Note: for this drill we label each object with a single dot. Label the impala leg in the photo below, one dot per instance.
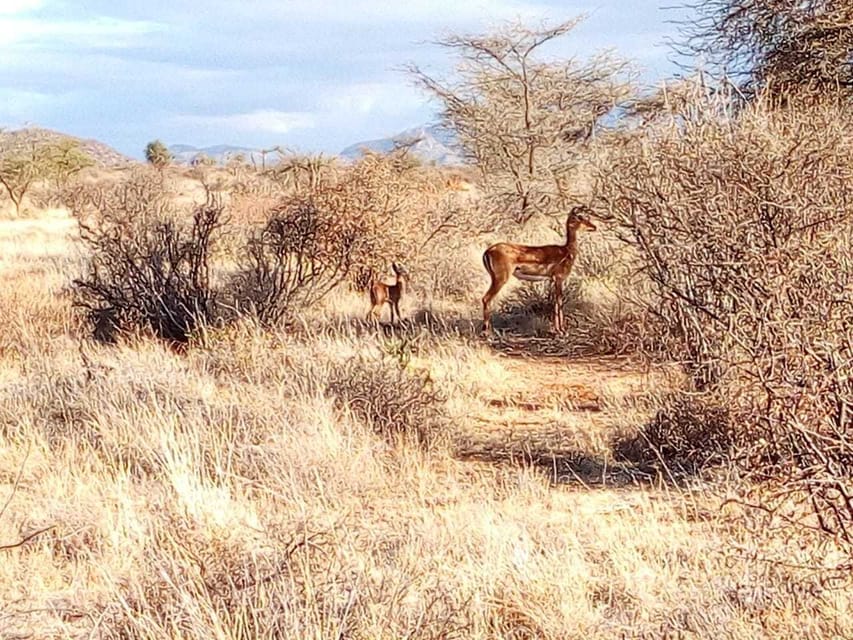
(375, 303)
(498, 281)
(375, 308)
(558, 305)
(396, 307)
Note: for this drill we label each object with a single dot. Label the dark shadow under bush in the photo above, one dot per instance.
(687, 435)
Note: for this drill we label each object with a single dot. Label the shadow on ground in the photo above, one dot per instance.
(514, 335)
(552, 372)
(565, 467)
(678, 445)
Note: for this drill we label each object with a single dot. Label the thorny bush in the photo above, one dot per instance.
(405, 212)
(390, 398)
(296, 259)
(146, 270)
(742, 219)
(157, 278)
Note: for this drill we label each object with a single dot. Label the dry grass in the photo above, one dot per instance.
(228, 494)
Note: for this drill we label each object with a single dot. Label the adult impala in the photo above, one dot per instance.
(549, 262)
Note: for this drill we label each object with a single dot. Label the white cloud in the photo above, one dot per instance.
(365, 98)
(96, 32)
(262, 120)
(412, 11)
(13, 7)
(316, 73)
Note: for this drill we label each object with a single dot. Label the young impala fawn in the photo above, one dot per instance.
(380, 293)
(550, 262)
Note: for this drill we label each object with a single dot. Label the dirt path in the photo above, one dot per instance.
(564, 412)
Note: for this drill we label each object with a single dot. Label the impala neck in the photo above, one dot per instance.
(571, 236)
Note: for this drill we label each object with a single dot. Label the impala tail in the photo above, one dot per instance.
(487, 261)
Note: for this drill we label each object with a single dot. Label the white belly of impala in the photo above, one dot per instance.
(530, 277)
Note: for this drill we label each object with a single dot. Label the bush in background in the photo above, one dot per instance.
(146, 270)
(23, 165)
(295, 260)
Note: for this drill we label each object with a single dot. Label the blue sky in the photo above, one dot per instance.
(312, 75)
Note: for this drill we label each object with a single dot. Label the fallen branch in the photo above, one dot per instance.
(25, 540)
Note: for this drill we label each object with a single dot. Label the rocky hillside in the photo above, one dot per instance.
(221, 153)
(429, 143)
(102, 154)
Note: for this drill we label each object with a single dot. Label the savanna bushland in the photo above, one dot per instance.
(201, 436)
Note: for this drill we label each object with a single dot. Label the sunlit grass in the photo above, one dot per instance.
(226, 493)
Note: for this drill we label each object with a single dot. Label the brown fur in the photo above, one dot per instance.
(549, 262)
(380, 293)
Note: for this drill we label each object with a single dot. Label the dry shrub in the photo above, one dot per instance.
(252, 195)
(295, 260)
(391, 399)
(141, 194)
(448, 275)
(403, 210)
(741, 217)
(149, 270)
(252, 208)
(301, 174)
(782, 46)
(387, 207)
(146, 270)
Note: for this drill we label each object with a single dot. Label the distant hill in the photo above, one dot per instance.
(434, 144)
(221, 153)
(102, 154)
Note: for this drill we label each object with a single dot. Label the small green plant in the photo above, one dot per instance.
(398, 349)
(158, 155)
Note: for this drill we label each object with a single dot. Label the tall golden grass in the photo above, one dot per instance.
(231, 493)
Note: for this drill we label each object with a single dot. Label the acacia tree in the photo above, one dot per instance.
(521, 119)
(23, 166)
(783, 44)
(301, 173)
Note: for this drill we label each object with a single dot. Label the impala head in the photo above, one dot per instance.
(579, 219)
(399, 271)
